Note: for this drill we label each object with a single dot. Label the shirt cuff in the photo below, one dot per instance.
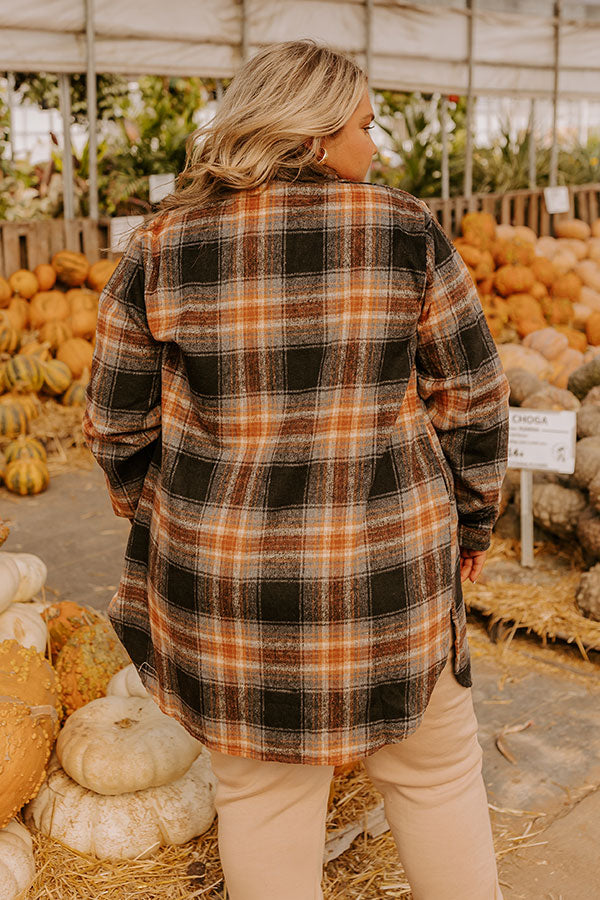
(473, 538)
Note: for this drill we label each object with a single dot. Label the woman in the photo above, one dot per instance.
(299, 406)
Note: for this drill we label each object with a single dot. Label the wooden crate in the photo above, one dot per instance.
(24, 245)
(516, 208)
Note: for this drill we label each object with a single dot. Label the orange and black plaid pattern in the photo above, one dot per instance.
(296, 399)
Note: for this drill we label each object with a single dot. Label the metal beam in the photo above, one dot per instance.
(532, 148)
(244, 40)
(445, 155)
(92, 111)
(369, 55)
(554, 151)
(468, 182)
(10, 102)
(67, 159)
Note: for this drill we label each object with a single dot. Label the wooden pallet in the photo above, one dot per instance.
(24, 245)
(516, 208)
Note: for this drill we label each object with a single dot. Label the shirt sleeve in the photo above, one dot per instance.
(122, 418)
(462, 383)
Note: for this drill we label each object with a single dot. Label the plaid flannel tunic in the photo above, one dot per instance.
(296, 399)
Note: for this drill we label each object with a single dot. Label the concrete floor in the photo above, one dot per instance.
(557, 769)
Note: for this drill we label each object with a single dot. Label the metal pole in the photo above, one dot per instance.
(445, 156)
(468, 185)
(526, 518)
(245, 46)
(369, 55)
(532, 148)
(92, 111)
(67, 159)
(10, 102)
(554, 152)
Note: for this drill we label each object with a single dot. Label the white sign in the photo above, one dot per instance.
(121, 229)
(540, 439)
(161, 186)
(557, 199)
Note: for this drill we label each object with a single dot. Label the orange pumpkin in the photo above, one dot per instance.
(55, 333)
(77, 353)
(63, 619)
(563, 365)
(538, 291)
(71, 267)
(83, 323)
(544, 270)
(572, 228)
(18, 313)
(478, 228)
(568, 285)
(592, 328)
(47, 306)
(46, 276)
(86, 663)
(35, 348)
(513, 252)
(100, 273)
(470, 255)
(24, 283)
(513, 280)
(576, 339)
(558, 310)
(80, 299)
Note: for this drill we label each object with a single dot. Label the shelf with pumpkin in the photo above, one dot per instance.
(47, 334)
(84, 745)
(528, 285)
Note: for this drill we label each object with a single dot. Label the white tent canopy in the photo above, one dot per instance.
(404, 46)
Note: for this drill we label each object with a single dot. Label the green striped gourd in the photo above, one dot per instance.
(26, 476)
(13, 420)
(25, 447)
(24, 373)
(28, 401)
(10, 338)
(75, 394)
(57, 376)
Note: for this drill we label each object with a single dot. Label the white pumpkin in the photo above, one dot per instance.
(115, 745)
(126, 683)
(17, 867)
(32, 572)
(129, 825)
(21, 622)
(10, 578)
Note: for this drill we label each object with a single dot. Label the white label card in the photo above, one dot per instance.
(557, 200)
(121, 229)
(161, 186)
(542, 439)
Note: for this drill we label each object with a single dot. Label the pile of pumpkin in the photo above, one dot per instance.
(86, 755)
(528, 285)
(47, 334)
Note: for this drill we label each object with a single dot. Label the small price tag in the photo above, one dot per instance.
(541, 439)
(121, 228)
(557, 200)
(161, 186)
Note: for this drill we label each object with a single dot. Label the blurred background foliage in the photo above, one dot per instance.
(143, 131)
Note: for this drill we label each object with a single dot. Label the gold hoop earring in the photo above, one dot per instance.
(323, 157)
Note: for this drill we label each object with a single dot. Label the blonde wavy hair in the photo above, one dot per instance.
(286, 94)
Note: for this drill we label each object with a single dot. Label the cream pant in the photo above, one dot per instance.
(272, 815)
